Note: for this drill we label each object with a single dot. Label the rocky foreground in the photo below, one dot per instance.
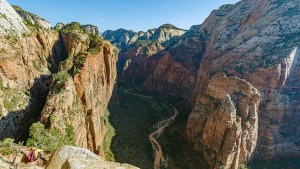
(67, 157)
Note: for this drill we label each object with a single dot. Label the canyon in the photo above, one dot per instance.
(233, 81)
(238, 72)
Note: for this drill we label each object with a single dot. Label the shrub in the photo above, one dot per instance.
(243, 166)
(78, 63)
(9, 105)
(95, 41)
(60, 79)
(226, 7)
(50, 139)
(7, 146)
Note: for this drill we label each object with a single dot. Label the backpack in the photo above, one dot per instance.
(30, 157)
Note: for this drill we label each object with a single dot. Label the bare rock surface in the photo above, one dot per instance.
(78, 158)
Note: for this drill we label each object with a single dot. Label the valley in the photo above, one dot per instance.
(223, 94)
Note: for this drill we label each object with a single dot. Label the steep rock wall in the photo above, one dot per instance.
(82, 98)
(25, 52)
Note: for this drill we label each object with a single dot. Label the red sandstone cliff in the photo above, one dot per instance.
(64, 77)
(251, 109)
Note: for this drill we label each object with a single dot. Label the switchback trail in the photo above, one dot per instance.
(161, 126)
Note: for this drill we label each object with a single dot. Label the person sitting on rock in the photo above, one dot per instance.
(33, 155)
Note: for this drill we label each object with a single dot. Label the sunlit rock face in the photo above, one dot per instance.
(254, 45)
(61, 78)
(82, 99)
(256, 41)
(25, 52)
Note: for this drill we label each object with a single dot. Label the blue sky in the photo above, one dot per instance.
(129, 14)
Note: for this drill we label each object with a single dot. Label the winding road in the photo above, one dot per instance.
(161, 126)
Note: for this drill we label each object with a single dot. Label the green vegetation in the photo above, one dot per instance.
(9, 105)
(20, 10)
(226, 7)
(170, 26)
(95, 42)
(78, 62)
(3, 16)
(142, 43)
(60, 79)
(286, 163)
(12, 39)
(13, 98)
(110, 133)
(50, 139)
(52, 119)
(71, 27)
(7, 146)
(243, 166)
(37, 65)
(32, 25)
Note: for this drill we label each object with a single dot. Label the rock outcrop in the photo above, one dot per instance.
(136, 62)
(61, 78)
(74, 158)
(10, 21)
(80, 100)
(262, 54)
(31, 18)
(92, 29)
(25, 52)
(224, 124)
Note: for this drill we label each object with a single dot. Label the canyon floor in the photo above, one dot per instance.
(135, 118)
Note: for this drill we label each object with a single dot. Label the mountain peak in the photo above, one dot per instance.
(169, 26)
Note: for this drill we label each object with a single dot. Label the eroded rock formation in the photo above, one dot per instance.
(255, 45)
(83, 98)
(75, 64)
(224, 124)
(24, 74)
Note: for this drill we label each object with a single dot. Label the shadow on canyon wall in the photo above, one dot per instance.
(23, 119)
(134, 118)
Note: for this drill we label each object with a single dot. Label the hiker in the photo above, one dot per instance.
(34, 155)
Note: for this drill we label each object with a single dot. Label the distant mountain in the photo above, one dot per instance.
(122, 38)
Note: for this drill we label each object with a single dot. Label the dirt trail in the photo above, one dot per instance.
(161, 126)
